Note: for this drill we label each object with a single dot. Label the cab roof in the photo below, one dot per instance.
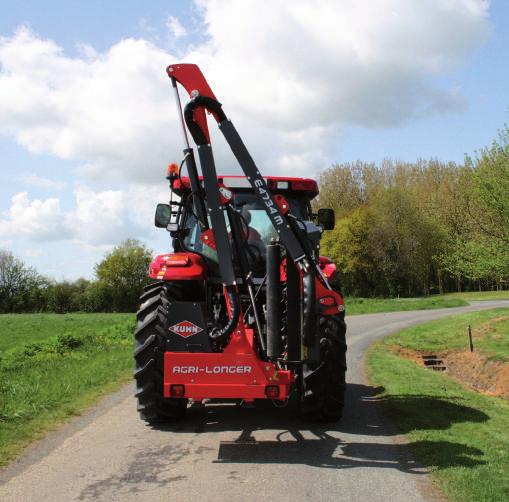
(305, 186)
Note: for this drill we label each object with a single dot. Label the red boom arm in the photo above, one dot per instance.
(191, 78)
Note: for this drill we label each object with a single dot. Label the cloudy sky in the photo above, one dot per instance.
(88, 121)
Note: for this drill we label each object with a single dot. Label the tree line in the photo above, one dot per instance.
(402, 229)
(406, 229)
(119, 279)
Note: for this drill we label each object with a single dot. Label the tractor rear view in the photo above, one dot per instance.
(242, 309)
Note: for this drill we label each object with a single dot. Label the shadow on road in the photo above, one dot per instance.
(364, 438)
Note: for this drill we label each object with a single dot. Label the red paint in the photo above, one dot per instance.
(235, 373)
(178, 267)
(178, 390)
(192, 79)
(225, 195)
(282, 203)
(332, 300)
(207, 237)
(328, 267)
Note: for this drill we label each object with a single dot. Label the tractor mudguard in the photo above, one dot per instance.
(178, 267)
(330, 301)
(328, 267)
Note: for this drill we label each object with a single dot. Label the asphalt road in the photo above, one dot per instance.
(224, 452)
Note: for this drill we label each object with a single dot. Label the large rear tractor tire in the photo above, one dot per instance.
(149, 354)
(323, 386)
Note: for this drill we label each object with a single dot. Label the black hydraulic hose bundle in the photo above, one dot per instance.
(309, 328)
(196, 189)
(210, 104)
(222, 334)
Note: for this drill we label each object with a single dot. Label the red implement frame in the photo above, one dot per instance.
(191, 78)
(237, 372)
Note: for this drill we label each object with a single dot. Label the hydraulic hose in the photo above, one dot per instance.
(223, 334)
(210, 104)
(310, 319)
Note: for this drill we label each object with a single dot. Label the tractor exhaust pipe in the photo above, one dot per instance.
(273, 300)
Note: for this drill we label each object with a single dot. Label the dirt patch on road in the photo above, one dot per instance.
(472, 369)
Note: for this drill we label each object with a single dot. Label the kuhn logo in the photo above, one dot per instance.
(185, 329)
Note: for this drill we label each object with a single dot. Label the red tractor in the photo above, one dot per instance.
(242, 309)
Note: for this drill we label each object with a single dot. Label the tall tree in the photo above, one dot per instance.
(124, 272)
(489, 207)
(17, 284)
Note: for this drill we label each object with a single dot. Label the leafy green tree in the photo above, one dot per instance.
(124, 273)
(19, 284)
(98, 297)
(348, 246)
(66, 296)
(489, 207)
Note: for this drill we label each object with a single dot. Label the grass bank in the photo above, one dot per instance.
(53, 366)
(460, 435)
(479, 295)
(490, 334)
(355, 306)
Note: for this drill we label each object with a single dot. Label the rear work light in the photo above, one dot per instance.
(305, 185)
(272, 391)
(177, 390)
(234, 182)
(177, 261)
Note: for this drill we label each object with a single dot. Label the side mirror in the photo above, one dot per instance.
(326, 218)
(162, 216)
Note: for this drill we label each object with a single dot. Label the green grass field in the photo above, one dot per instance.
(460, 435)
(53, 366)
(355, 306)
(479, 295)
(17, 329)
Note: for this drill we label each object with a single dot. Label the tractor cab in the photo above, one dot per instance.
(256, 227)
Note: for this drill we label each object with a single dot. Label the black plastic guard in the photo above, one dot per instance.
(186, 329)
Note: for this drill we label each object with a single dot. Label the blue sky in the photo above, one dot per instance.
(483, 81)
(90, 183)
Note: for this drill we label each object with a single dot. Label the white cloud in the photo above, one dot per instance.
(6, 244)
(101, 218)
(97, 218)
(34, 253)
(41, 182)
(40, 219)
(290, 75)
(175, 27)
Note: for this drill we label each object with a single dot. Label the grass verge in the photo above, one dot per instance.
(460, 435)
(355, 306)
(43, 382)
(490, 330)
(479, 295)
